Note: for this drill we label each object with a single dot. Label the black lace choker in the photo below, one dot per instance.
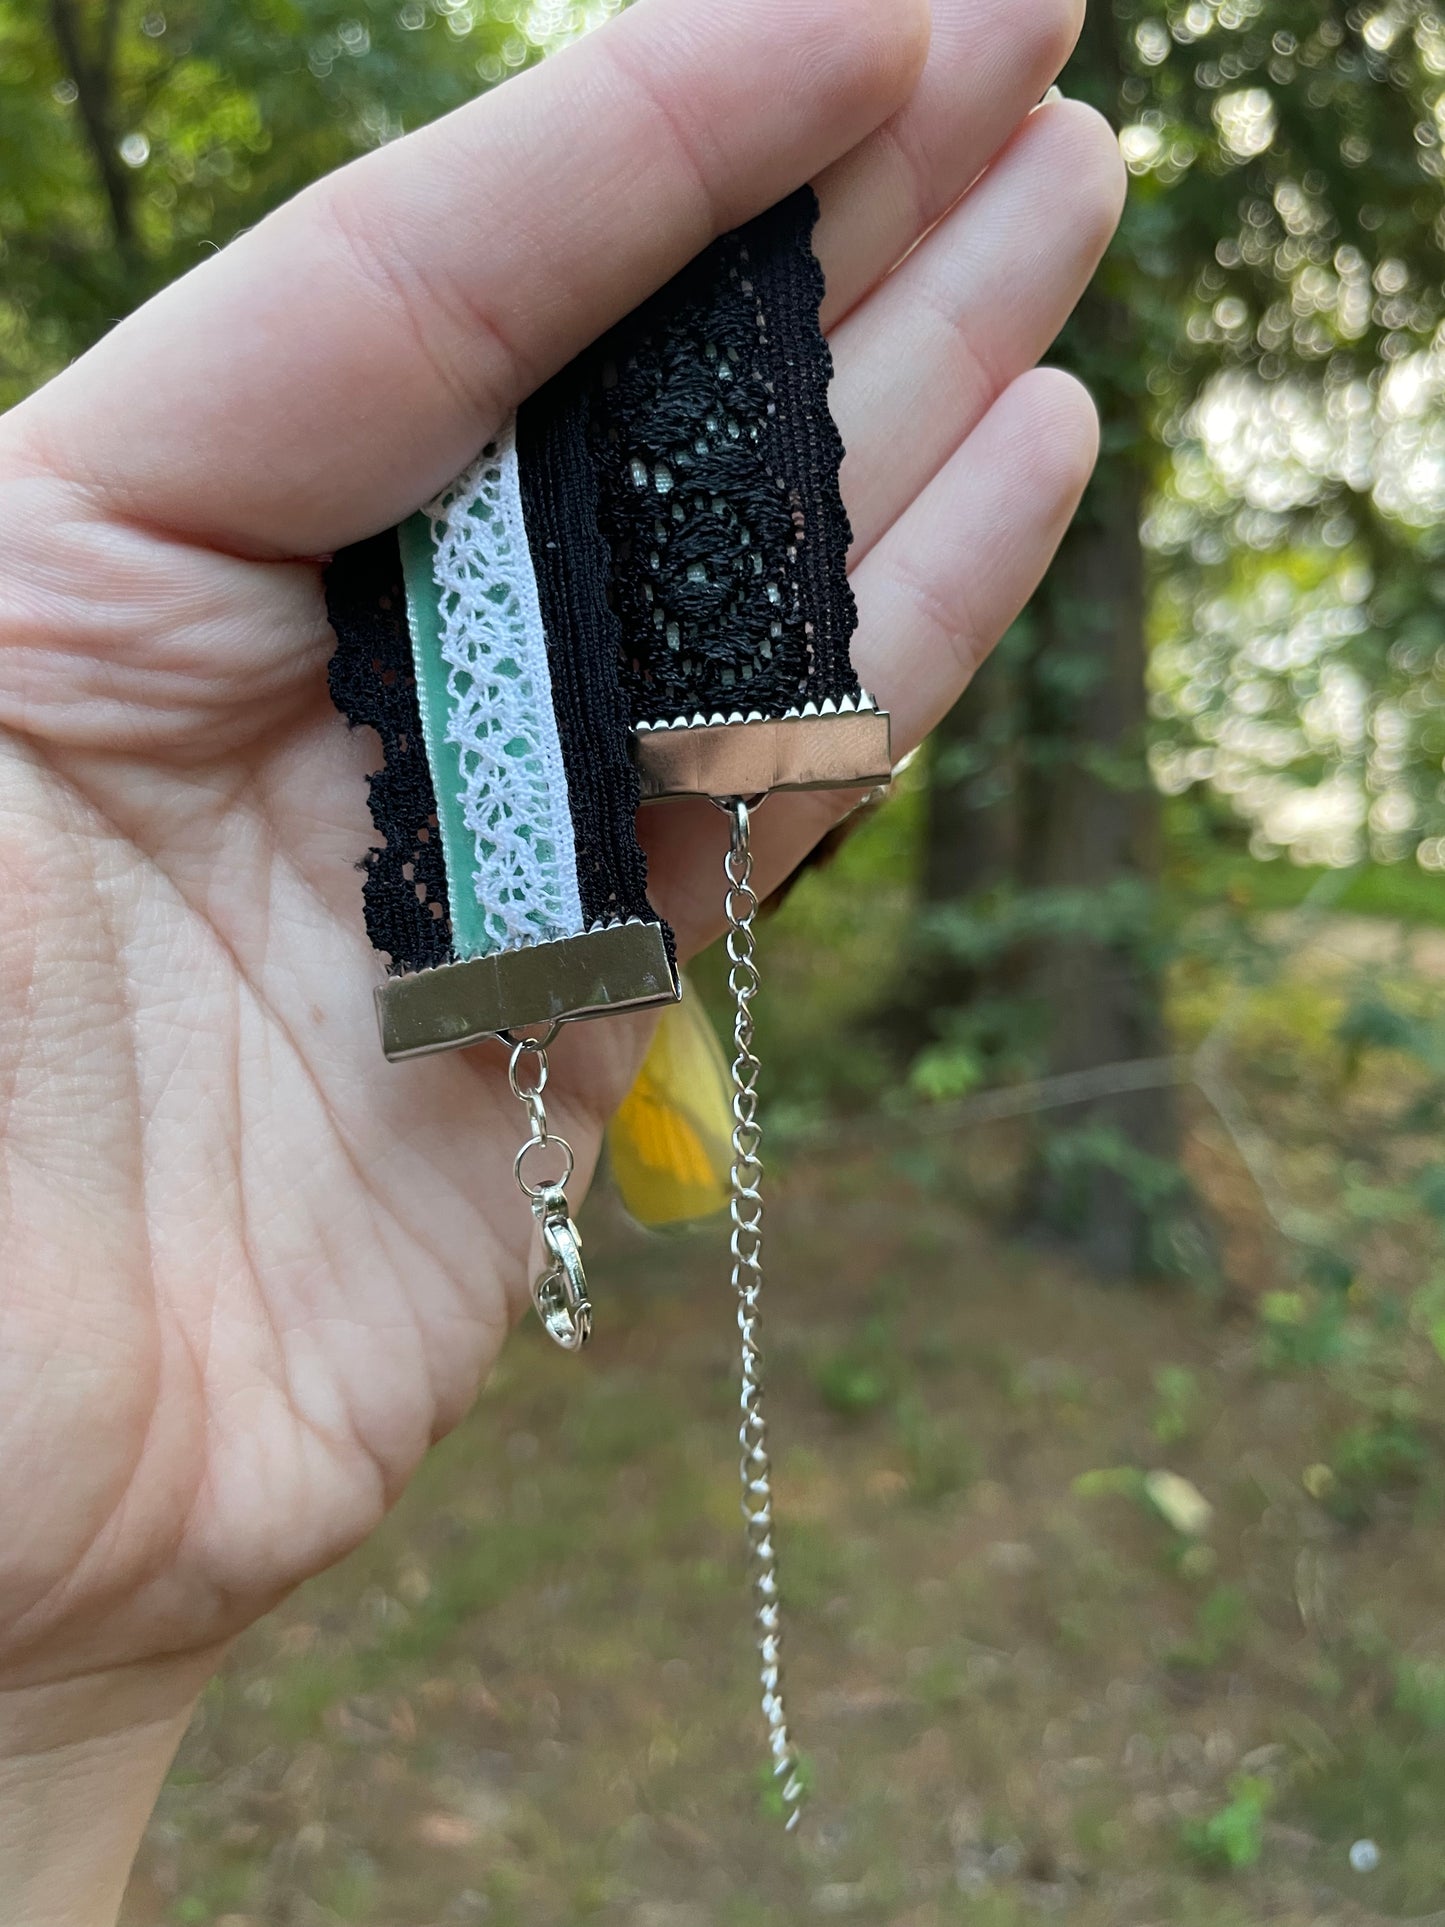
(638, 590)
(678, 487)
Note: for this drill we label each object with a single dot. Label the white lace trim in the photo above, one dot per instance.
(499, 710)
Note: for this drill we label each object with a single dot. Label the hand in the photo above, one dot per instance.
(250, 1270)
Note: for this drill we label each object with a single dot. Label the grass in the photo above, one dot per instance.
(1398, 891)
(531, 1698)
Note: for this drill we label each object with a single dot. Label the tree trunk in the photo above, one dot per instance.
(971, 837)
(970, 848)
(1105, 1176)
(93, 76)
(1066, 817)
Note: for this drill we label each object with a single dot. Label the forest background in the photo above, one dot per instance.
(1107, 1065)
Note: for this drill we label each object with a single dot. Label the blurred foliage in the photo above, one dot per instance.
(1288, 197)
(1232, 1839)
(1282, 267)
(1240, 646)
(136, 134)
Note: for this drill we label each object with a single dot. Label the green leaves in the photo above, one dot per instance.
(1231, 1840)
(184, 123)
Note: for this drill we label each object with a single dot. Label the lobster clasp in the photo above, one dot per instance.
(560, 1292)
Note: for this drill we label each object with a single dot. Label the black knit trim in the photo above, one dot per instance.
(718, 466)
(373, 682)
(571, 566)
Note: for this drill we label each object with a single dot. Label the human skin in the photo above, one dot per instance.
(251, 1272)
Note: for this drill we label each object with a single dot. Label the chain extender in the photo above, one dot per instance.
(746, 1212)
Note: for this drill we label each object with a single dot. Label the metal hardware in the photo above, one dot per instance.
(622, 967)
(719, 756)
(560, 1291)
(746, 1211)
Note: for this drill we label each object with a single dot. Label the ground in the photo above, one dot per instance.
(1022, 1690)
(1031, 1676)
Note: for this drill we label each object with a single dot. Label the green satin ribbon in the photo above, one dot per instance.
(470, 936)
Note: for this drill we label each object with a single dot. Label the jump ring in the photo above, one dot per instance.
(527, 1047)
(536, 1144)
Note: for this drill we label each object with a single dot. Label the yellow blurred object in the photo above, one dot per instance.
(669, 1141)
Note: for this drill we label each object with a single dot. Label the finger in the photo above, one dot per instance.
(934, 596)
(978, 302)
(326, 372)
(955, 570)
(989, 62)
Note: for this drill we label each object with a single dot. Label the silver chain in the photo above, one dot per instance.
(559, 1291)
(746, 1210)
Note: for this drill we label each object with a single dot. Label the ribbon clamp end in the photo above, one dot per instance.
(842, 746)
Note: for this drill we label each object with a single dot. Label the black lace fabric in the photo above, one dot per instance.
(373, 682)
(570, 563)
(717, 464)
(688, 538)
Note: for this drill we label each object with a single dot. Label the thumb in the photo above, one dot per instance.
(326, 372)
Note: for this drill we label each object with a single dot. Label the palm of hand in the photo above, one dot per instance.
(252, 1270)
(261, 1267)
